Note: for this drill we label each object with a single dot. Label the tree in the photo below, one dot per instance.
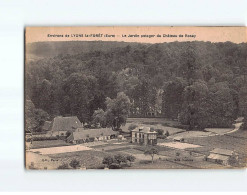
(219, 106)
(79, 90)
(245, 117)
(151, 151)
(117, 110)
(108, 160)
(159, 132)
(132, 126)
(75, 164)
(172, 97)
(130, 158)
(99, 118)
(193, 113)
(34, 117)
(75, 83)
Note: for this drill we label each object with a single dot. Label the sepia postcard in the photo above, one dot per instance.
(135, 98)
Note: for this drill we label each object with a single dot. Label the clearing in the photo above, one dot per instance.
(179, 145)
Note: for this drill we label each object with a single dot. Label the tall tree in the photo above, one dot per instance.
(117, 110)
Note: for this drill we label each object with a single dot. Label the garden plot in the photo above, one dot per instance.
(190, 134)
(219, 131)
(62, 149)
(139, 154)
(179, 145)
(98, 143)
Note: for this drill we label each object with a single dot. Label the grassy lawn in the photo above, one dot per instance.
(158, 164)
(155, 123)
(90, 159)
(48, 144)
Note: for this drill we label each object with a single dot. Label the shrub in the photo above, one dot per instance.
(130, 158)
(68, 133)
(74, 163)
(63, 166)
(44, 138)
(132, 126)
(159, 132)
(114, 166)
(119, 158)
(108, 160)
(151, 151)
(167, 133)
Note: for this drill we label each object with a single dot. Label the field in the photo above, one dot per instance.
(48, 143)
(236, 141)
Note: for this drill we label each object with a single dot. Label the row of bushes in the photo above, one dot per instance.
(118, 161)
(43, 138)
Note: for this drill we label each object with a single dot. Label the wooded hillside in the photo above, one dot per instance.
(202, 84)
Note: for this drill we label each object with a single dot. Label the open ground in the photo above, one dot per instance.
(172, 155)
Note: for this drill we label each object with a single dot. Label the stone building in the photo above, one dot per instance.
(144, 135)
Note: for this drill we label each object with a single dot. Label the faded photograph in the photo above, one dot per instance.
(135, 98)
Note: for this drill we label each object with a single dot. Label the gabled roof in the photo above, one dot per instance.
(91, 133)
(65, 123)
(143, 130)
(46, 125)
(222, 151)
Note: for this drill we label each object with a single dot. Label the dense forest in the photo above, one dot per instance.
(201, 84)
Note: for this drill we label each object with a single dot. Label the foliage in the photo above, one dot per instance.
(119, 158)
(151, 151)
(99, 118)
(199, 83)
(132, 126)
(159, 132)
(167, 133)
(44, 138)
(108, 160)
(130, 158)
(75, 164)
(68, 133)
(63, 166)
(245, 117)
(117, 110)
(34, 117)
(114, 162)
(173, 97)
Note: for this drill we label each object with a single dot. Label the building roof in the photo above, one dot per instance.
(218, 157)
(46, 125)
(222, 151)
(143, 130)
(91, 133)
(65, 123)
